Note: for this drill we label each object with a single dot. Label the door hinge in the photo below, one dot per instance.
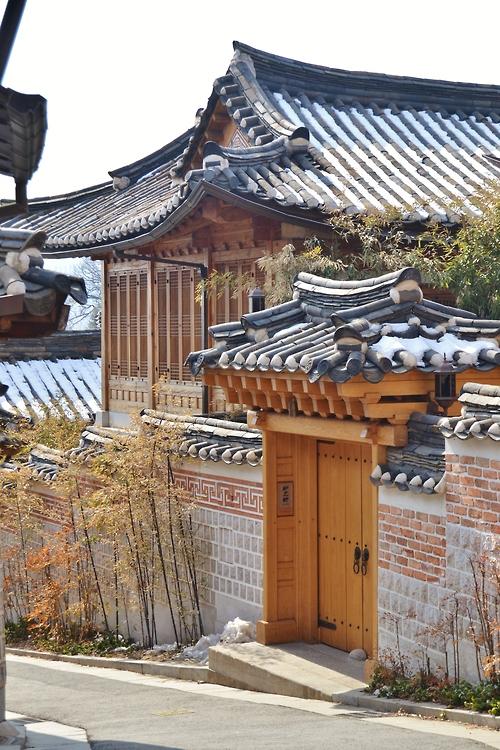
(327, 624)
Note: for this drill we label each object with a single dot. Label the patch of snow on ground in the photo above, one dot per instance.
(235, 631)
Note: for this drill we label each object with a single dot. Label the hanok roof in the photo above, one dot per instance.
(28, 291)
(313, 140)
(480, 416)
(205, 438)
(339, 329)
(64, 368)
(212, 439)
(419, 465)
(9, 444)
(23, 122)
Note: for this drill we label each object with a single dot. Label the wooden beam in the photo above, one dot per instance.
(330, 429)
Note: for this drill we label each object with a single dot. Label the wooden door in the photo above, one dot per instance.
(345, 525)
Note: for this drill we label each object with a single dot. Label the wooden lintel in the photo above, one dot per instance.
(394, 409)
(330, 429)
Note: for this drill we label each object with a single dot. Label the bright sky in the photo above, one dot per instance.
(124, 77)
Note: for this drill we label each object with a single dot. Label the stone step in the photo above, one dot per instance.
(299, 670)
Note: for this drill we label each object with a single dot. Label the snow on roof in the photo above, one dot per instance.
(63, 370)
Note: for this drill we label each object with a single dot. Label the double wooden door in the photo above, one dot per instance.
(346, 564)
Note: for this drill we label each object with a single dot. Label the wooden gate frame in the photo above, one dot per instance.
(290, 539)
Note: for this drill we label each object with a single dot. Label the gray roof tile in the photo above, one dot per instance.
(375, 142)
(480, 417)
(338, 329)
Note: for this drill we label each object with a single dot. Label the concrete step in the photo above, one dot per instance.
(299, 670)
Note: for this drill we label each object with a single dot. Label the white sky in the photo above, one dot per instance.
(124, 77)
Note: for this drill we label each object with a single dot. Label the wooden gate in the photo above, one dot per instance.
(346, 564)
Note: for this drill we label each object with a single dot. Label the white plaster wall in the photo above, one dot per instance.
(483, 448)
(419, 502)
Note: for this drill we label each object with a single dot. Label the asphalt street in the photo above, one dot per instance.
(124, 711)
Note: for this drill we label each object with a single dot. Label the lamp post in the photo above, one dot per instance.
(8, 30)
(3, 669)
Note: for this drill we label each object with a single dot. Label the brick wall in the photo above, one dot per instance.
(230, 530)
(231, 548)
(473, 490)
(411, 542)
(426, 544)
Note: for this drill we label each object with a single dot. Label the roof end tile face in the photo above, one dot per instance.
(24, 279)
(322, 140)
(417, 467)
(339, 329)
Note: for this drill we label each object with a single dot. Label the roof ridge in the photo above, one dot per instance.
(157, 157)
(306, 68)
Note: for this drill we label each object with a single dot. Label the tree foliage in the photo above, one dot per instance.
(281, 269)
(88, 316)
(473, 264)
(463, 257)
(114, 540)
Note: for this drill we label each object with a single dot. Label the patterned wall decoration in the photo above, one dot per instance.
(243, 498)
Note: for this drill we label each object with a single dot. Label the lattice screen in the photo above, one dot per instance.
(179, 322)
(128, 313)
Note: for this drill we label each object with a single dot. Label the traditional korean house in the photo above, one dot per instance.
(280, 148)
(345, 381)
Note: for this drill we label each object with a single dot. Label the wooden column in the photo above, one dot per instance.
(280, 564)
(105, 337)
(152, 336)
(306, 491)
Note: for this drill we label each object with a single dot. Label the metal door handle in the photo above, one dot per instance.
(357, 558)
(364, 560)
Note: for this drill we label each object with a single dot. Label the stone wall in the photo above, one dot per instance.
(426, 544)
(229, 518)
(228, 526)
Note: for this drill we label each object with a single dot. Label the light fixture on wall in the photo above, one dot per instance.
(256, 300)
(445, 386)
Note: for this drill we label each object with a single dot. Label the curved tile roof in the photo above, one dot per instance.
(213, 439)
(480, 416)
(23, 123)
(340, 329)
(205, 438)
(419, 466)
(323, 140)
(64, 368)
(29, 289)
(376, 140)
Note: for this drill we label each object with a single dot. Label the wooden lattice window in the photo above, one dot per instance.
(128, 317)
(179, 321)
(231, 304)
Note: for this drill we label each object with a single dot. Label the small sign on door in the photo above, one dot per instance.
(285, 498)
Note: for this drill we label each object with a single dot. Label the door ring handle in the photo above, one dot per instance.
(364, 560)
(357, 558)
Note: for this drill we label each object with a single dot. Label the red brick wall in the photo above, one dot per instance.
(412, 543)
(473, 492)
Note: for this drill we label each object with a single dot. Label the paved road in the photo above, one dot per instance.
(123, 711)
